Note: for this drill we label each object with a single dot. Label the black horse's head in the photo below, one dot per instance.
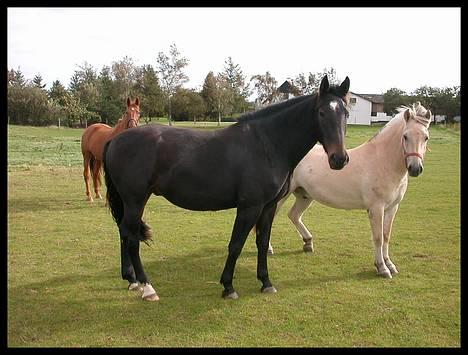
(332, 113)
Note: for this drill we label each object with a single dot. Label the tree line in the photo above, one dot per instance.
(93, 96)
(441, 101)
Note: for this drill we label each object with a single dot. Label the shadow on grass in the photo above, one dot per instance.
(40, 204)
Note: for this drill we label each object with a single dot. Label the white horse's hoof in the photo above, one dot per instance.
(270, 251)
(386, 273)
(393, 269)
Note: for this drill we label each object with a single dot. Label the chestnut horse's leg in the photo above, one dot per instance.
(86, 173)
(245, 221)
(389, 216)
(376, 216)
(97, 177)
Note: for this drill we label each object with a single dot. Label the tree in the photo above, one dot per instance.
(393, 98)
(187, 104)
(16, 78)
(147, 88)
(37, 81)
(312, 83)
(235, 80)
(83, 86)
(57, 99)
(441, 101)
(58, 92)
(109, 103)
(217, 95)
(172, 77)
(209, 95)
(306, 86)
(124, 72)
(265, 86)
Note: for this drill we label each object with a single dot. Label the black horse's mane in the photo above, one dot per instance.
(274, 108)
(271, 109)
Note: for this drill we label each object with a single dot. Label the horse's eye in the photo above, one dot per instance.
(426, 138)
(405, 137)
(321, 113)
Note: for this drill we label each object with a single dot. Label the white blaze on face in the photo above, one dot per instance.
(333, 105)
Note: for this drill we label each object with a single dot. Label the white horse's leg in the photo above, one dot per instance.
(376, 215)
(278, 207)
(295, 215)
(389, 216)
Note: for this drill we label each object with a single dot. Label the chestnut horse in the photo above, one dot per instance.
(94, 138)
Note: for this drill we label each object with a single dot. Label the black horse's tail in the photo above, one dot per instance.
(114, 200)
(116, 204)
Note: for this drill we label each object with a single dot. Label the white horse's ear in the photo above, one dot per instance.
(407, 115)
(428, 114)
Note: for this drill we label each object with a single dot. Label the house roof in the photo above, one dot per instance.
(288, 88)
(374, 98)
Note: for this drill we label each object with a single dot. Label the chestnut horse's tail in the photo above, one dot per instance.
(116, 204)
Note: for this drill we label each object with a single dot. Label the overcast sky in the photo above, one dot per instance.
(378, 48)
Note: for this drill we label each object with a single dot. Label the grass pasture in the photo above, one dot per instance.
(64, 286)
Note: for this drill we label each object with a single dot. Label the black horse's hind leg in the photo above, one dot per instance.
(263, 239)
(128, 273)
(131, 231)
(245, 220)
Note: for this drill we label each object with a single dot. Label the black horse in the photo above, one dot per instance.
(246, 165)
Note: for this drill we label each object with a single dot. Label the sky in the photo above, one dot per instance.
(377, 48)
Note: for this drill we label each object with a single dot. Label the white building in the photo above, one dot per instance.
(366, 108)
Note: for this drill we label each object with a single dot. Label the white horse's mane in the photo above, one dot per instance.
(418, 113)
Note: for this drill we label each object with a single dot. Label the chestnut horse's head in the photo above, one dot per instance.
(131, 117)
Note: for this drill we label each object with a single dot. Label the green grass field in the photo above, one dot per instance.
(65, 290)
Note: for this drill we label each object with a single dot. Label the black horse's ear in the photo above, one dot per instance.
(324, 86)
(344, 87)
(128, 102)
(137, 101)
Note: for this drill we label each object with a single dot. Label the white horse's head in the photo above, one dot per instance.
(415, 136)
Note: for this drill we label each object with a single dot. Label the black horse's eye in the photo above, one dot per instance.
(321, 113)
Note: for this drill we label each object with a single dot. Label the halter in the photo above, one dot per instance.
(414, 154)
(411, 154)
(131, 119)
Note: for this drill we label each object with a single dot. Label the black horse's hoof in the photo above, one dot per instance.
(230, 295)
(269, 289)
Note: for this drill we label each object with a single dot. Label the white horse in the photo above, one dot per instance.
(375, 179)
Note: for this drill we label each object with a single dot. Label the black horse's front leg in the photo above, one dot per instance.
(245, 220)
(263, 229)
